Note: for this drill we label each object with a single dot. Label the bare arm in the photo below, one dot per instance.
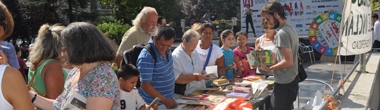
(257, 44)
(151, 91)
(118, 60)
(54, 79)
(184, 79)
(220, 64)
(15, 91)
(286, 62)
(98, 103)
(42, 102)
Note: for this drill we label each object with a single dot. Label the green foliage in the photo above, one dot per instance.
(106, 18)
(224, 9)
(114, 30)
(126, 10)
(375, 5)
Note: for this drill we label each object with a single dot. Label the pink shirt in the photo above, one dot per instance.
(238, 53)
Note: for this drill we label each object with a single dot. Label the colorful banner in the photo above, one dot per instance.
(324, 33)
(299, 13)
(356, 28)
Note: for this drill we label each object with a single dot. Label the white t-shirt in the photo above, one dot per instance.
(131, 100)
(376, 30)
(215, 54)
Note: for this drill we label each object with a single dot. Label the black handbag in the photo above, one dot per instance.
(301, 70)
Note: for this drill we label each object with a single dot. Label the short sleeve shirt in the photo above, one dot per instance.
(184, 64)
(99, 82)
(131, 100)
(215, 54)
(241, 56)
(228, 60)
(286, 38)
(160, 75)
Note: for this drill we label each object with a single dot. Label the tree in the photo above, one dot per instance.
(20, 30)
(36, 15)
(126, 10)
(225, 9)
(375, 4)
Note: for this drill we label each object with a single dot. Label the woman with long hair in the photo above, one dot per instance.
(46, 75)
(92, 78)
(266, 42)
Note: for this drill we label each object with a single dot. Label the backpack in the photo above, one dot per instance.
(130, 56)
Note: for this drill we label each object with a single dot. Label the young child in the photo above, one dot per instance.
(225, 42)
(240, 55)
(130, 98)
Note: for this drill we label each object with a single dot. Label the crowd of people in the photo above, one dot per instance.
(70, 62)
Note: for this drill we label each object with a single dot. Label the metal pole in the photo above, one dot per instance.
(363, 63)
(324, 103)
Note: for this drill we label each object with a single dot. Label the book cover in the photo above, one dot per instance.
(76, 102)
(255, 58)
(238, 95)
(216, 98)
(243, 65)
(258, 89)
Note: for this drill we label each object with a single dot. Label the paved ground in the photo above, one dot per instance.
(321, 71)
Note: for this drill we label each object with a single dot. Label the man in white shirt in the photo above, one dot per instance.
(376, 31)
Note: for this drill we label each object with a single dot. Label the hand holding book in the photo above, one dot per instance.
(258, 57)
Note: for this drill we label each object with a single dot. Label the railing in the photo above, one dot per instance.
(333, 93)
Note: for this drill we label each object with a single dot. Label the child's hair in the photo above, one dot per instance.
(128, 71)
(241, 33)
(224, 35)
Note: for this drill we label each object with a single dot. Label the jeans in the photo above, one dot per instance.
(284, 95)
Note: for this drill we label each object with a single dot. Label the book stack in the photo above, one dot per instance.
(238, 95)
(252, 78)
(220, 81)
(246, 90)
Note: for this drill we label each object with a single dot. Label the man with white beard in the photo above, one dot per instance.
(144, 27)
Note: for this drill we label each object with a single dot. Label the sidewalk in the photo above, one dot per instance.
(323, 71)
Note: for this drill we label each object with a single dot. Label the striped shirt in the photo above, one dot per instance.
(160, 76)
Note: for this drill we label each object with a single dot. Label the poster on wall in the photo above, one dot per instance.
(324, 33)
(299, 13)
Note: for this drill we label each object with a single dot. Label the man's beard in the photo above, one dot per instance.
(152, 28)
(276, 23)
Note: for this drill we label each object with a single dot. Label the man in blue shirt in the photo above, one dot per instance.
(10, 51)
(157, 78)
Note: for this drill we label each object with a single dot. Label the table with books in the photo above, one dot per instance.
(249, 92)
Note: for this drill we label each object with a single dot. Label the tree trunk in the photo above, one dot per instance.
(70, 2)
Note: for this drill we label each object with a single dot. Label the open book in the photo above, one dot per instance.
(212, 72)
(76, 102)
(255, 58)
(258, 88)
